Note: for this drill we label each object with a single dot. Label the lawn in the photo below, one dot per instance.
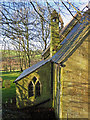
(9, 93)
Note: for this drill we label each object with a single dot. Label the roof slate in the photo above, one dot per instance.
(32, 69)
(72, 40)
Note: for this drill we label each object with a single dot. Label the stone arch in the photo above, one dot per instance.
(34, 79)
(31, 76)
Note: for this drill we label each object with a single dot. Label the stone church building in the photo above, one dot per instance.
(60, 80)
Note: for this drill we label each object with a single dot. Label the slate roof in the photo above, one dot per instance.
(48, 48)
(32, 69)
(73, 40)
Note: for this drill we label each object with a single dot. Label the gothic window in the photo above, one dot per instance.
(30, 89)
(34, 79)
(37, 89)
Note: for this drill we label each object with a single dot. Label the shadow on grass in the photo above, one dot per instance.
(8, 93)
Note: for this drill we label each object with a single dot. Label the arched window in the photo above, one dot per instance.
(34, 79)
(30, 89)
(37, 89)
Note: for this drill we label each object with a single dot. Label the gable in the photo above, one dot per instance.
(27, 88)
(73, 40)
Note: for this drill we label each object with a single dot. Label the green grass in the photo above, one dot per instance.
(12, 52)
(9, 93)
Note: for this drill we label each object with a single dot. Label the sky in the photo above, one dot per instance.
(66, 16)
(78, 3)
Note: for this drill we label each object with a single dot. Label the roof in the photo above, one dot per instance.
(72, 40)
(31, 69)
(47, 49)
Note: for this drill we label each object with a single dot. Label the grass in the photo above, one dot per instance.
(12, 53)
(9, 93)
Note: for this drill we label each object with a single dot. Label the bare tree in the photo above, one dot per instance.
(27, 25)
(20, 28)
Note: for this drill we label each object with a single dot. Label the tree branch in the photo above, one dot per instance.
(69, 10)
